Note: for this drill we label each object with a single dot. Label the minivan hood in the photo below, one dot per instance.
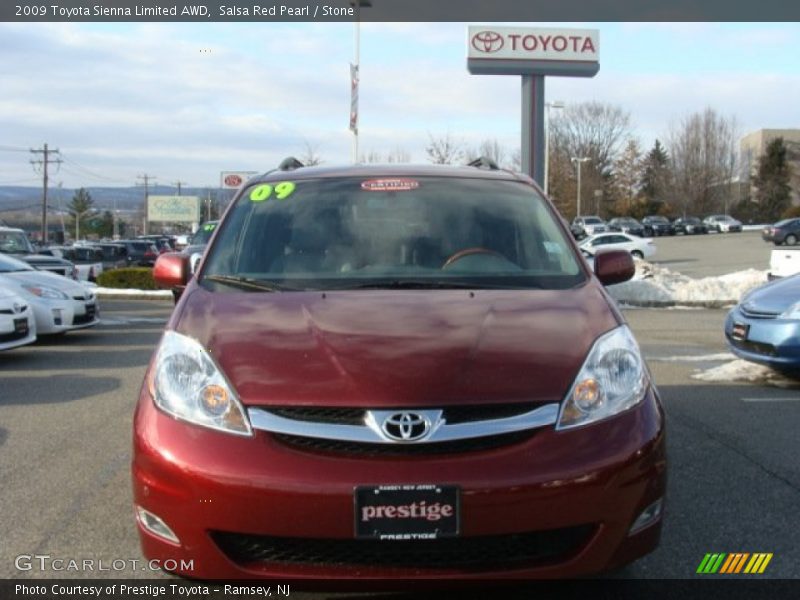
(382, 348)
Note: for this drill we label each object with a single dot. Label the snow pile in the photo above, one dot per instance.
(654, 285)
(102, 292)
(741, 370)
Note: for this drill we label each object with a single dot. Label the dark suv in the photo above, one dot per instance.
(656, 225)
(401, 372)
(141, 253)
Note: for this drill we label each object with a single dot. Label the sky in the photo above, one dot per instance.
(184, 101)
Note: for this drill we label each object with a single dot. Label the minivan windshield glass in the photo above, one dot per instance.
(390, 232)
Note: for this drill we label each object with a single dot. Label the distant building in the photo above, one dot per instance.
(754, 145)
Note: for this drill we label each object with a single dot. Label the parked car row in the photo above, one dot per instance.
(655, 225)
(36, 302)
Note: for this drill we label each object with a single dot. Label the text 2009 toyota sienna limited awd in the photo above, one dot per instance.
(397, 372)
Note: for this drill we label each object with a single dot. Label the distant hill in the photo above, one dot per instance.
(14, 198)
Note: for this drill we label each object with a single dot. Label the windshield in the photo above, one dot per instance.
(202, 235)
(15, 242)
(593, 220)
(391, 232)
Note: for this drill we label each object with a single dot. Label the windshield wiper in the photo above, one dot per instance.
(248, 283)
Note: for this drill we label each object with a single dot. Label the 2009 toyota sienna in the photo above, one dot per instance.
(396, 372)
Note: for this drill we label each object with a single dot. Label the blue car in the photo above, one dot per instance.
(765, 326)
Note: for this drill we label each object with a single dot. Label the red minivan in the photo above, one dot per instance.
(396, 372)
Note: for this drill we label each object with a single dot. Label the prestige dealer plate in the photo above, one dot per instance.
(406, 512)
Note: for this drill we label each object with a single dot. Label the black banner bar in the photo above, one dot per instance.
(266, 11)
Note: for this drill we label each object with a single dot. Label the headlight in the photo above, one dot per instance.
(186, 383)
(793, 312)
(612, 379)
(43, 291)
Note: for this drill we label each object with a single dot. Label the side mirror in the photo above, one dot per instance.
(613, 266)
(171, 270)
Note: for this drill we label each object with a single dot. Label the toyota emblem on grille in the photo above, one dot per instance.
(487, 41)
(406, 426)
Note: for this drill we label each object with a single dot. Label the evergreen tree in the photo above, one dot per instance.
(627, 178)
(655, 175)
(81, 207)
(772, 180)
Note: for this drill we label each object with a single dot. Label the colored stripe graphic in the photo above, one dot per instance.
(711, 563)
(729, 564)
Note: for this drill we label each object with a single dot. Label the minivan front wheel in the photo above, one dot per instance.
(637, 254)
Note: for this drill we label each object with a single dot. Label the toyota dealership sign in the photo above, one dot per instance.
(536, 51)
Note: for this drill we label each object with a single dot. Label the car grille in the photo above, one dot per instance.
(364, 449)
(356, 416)
(755, 347)
(9, 311)
(12, 337)
(756, 314)
(477, 553)
(85, 318)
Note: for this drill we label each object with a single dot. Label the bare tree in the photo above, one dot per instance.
(371, 157)
(310, 156)
(444, 150)
(703, 160)
(592, 129)
(489, 148)
(398, 155)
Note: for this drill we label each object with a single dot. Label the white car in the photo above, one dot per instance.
(614, 240)
(59, 304)
(591, 224)
(723, 224)
(17, 325)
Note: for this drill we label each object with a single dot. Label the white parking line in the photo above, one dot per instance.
(694, 358)
(783, 399)
(130, 320)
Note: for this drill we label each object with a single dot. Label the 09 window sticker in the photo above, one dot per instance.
(279, 191)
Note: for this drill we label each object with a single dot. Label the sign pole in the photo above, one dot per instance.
(532, 152)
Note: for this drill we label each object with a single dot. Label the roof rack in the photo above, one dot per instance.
(290, 163)
(484, 162)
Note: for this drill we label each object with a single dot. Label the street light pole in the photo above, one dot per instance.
(355, 73)
(579, 160)
(548, 106)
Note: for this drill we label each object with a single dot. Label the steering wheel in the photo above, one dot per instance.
(469, 252)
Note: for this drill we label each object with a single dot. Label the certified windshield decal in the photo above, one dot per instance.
(389, 185)
(280, 191)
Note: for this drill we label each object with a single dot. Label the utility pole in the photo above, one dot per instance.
(146, 179)
(45, 161)
(178, 185)
(579, 161)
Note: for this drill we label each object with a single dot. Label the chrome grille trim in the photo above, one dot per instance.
(264, 420)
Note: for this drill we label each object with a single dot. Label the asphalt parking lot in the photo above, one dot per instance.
(66, 408)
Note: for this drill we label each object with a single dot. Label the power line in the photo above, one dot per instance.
(45, 162)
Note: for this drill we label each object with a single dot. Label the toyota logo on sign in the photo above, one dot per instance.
(406, 426)
(233, 180)
(487, 41)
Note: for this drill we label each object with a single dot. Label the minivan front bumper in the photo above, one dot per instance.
(556, 504)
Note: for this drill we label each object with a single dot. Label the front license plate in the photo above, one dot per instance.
(21, 326)
(740, 331)
(407, 512)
